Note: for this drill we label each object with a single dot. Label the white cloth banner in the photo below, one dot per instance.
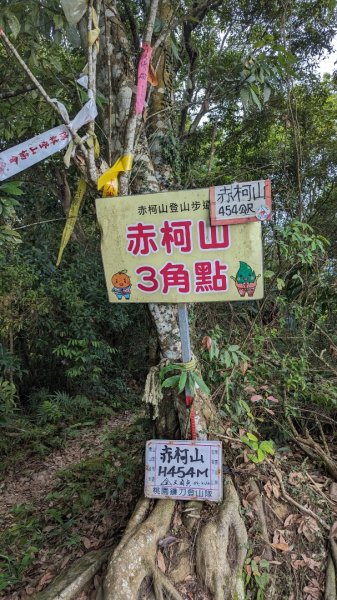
(25, 155)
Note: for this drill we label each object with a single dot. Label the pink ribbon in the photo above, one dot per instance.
(143, 69)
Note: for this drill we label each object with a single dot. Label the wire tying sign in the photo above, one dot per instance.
(162, 248)
(184, 470)
(241, 202)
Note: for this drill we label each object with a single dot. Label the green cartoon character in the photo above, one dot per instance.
(245, 280)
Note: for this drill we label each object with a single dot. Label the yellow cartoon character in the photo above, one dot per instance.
(121, 285)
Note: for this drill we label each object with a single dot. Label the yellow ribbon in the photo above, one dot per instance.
(92, 142)
(188, 366)
(109, 180)
(72, 217)
(94, 33)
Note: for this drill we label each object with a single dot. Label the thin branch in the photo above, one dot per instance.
(38, 85)
(321, 493)
(14, 93)
(92, 65)
(131, 127)
(42, 223)
(291, 500)
(109, 86)
(133, 24)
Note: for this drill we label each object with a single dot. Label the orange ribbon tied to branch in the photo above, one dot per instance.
(109, 180)
(152, 77)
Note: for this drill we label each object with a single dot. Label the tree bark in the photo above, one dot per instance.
(219, 546)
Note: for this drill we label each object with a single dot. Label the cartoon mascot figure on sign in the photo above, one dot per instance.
(245, 280)
(121, 285)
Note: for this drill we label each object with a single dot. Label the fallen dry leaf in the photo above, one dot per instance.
(308, 526)
(249, 389)
(251, 496)
(256, 398)
(272, 488)
(206, 342)
(167, 541)
(161, 561)
(296, 478)
(283, 546)
(243, 367)
(273, 399)
(46, 578)
(292, 519)
(278, 536)
(311, 563)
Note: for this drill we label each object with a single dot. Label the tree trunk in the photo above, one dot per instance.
(213, 552)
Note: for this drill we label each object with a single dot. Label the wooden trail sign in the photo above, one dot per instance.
(162, 248)
(184, 470)
(242, 202)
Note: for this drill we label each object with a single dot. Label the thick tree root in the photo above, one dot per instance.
(68, 585)
(134, 557)
(330, 580)
(221, 549)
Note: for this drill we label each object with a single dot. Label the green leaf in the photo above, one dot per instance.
(260, 455)
(255, 98)
(202, 385)
(171, 381)
(266, 93)
(182, 381)
(252, 437)
(268, 447)
(235, 358)
(12, 187)
(228, 360)
(14, 23)
(168, 368)
(280, 284)
(245, 97)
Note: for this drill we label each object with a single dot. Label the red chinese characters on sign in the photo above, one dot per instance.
(24, 154)
(175, 235)
(144, 239)
(213, 238)
(176, 276)
(141, 239)
(149, 282)
(210, 276)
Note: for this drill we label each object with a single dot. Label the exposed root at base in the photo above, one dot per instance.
(221, 549)
(134, 557)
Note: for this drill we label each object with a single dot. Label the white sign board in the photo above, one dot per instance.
(183, 470)
(240, 202)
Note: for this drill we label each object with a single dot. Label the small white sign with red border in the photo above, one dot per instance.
(184, 470)
(240, 202)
